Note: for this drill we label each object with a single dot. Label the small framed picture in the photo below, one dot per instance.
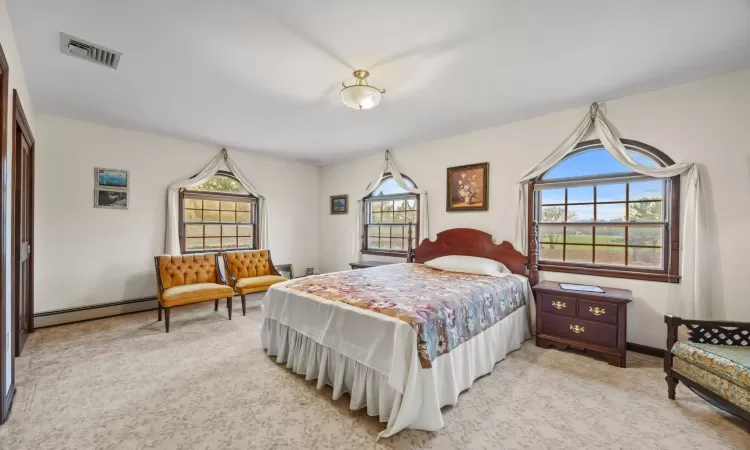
(111, 198)
(468, 188)
(339, 204)
(111, 178)
(286, 271)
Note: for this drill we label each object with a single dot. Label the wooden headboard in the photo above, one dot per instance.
(470, 242)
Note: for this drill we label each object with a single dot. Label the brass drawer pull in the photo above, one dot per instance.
(558, 305)
(576, 329)
(596, 310)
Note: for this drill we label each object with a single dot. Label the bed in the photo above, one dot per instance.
(405, 339)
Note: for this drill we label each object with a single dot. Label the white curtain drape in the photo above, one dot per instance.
(172, 238)
(388, 166)
(692, 297)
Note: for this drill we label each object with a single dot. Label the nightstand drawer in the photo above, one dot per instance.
(580, 330)
(601, 312)
(565, 306)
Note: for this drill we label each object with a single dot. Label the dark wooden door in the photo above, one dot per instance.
(24, 222)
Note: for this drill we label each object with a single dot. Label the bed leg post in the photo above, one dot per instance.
(534, 254)
(409, 248)
(673, 325)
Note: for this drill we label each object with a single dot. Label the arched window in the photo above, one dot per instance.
(597, 217)
(388, 211)
(219, 214)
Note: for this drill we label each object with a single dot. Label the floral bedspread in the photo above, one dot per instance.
(446, 309)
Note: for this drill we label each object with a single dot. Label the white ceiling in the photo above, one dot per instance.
(265, 75)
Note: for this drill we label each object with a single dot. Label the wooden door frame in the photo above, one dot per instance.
(21, 123)
(5, 400)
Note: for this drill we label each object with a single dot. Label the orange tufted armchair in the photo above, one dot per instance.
(188, 279)
(251, 271)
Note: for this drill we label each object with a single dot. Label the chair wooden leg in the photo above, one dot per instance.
(671, 386)
(159, 308)
(216, 304)
(243, 303)
(166, 318)
(229, 305)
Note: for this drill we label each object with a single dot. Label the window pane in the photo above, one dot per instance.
(551, 234)
(229, 230)
(610, 193)
(610, 212)
(376, 206)
(228, 216)
(213, 230)
(610, 255)
(649, 236)
(389, 187)
(411, 204)
(376, 218)
(194, 243)
(397, 244)
(579, 253)
(580, 234)
(397, 231)
(193, 215)
(192, 203)
(245, 242)
(399, 205)
(372, 242)
(647, 190)
(243, 217)
(227, 206)
(230, 242)
(388, 206)
(411, 216)
(244, 230)
(553, 214)
(551, 252)
(399, 217)
(210, 204)
(385, 232)
(611, 236)
(373, 231)
(210, 216)
(645, 211)
(213, 243)
(580, 213)
(243, 206)
(387, 217)
(221, 183)
(645, 257)
(194, 231)
(593, 162)
(384, 243)
(553, 196)
(584, 194)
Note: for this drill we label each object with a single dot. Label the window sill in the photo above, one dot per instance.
(610, 272)
(395, 254)
(194, 252)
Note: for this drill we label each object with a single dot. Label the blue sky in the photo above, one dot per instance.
(593, 162)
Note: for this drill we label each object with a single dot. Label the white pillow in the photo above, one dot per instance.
(468, 264)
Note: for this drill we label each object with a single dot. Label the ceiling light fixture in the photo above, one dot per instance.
(361, 95)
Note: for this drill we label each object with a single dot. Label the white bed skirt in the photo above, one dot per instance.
(432, 389)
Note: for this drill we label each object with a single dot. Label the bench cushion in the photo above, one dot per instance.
(257, 284)
(729, 362)
(724, 388)
(194, 293)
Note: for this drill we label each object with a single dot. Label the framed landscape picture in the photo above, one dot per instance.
(111, 178)
(339, 204)
(111, 198)
(468, 188)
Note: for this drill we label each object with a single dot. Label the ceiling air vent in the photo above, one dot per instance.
(89, 51)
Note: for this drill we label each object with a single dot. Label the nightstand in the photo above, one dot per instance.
(593, 322)
(367, 264)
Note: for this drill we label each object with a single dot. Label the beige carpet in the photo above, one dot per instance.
(122, 383)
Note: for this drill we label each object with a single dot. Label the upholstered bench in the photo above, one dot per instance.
(187, 279)
(251, 271)
(714, 361)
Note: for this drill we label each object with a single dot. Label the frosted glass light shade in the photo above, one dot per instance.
(360, 96)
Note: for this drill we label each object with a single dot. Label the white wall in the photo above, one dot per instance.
(88, 256)
(703, 122)
(15, 81)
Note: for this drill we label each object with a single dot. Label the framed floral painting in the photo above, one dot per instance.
(468, 188)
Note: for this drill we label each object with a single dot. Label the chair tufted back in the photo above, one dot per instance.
(187, 269)
(248, 264)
